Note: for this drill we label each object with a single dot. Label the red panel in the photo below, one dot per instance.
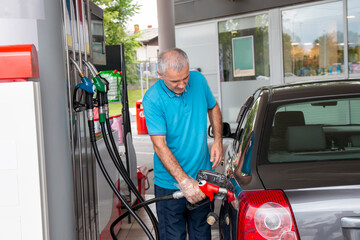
(18, 62)
(140, 119)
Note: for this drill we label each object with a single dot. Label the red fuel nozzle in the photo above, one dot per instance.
(209, 190)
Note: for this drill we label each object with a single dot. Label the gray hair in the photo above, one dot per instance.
(174, 59)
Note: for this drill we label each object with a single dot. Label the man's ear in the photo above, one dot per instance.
(160, 75)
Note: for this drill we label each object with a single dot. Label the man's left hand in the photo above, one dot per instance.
(216, 153)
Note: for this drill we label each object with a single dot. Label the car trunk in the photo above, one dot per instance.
(322, 213)
(321, 195)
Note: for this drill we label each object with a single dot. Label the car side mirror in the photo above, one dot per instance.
(226, 131)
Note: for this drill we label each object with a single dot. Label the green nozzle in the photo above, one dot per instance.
(100, 86)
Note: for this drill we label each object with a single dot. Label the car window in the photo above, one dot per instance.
(316, 131)
(245, 145)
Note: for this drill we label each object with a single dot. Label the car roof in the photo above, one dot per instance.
(316, 89)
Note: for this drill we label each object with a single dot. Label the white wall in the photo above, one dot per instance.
(147, 53)
(23, 206)
(200, 42)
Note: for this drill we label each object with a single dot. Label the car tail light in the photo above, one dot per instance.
(265, 214)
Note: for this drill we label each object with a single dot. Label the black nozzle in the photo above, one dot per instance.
(89, 100)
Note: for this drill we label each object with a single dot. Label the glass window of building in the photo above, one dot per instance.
(353, 18)
(244, 48)
(313, 42)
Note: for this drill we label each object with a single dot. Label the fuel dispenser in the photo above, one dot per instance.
(21, 146)
(102, 88)
(81, 48)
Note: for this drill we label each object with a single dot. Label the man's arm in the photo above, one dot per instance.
(189, 187)
(216, 152)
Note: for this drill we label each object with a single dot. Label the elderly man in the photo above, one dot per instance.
(176, 109)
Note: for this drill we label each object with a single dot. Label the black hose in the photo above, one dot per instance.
(138, 195)
(103, 100)
(119, 160)
(140, 205)
(120, 167)
(111, 184)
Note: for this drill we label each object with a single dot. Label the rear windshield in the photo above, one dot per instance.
(316, 131)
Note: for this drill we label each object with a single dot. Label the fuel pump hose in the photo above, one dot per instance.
(89, 89)
(175, 195)
(102, 86)
(118, 162)
(109, 181)
(121, 169)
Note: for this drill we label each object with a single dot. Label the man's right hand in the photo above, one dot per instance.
(190, 188)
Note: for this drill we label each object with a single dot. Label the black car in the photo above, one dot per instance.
(295, 162)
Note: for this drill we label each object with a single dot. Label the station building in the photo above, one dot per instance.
(241, 45)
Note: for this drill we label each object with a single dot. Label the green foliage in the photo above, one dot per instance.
(116, 14)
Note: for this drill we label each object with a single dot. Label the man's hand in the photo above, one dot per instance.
(190, 188)
(216, 153)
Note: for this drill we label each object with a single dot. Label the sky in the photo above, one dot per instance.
(147, 15)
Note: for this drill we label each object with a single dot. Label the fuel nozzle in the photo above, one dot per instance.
(85, 84)
(89, 89)
(102, 86)
(210, 190)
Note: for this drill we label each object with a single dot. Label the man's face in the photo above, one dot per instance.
(176, 81)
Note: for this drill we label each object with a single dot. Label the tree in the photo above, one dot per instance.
(116, 14)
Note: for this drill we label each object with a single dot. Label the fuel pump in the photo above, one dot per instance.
(88, 88)
(114, 153)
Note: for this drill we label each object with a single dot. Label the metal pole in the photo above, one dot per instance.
(92, 166)
(68, 75)
(147, 75)
(141, 81)
(73, 82)
(79, 135)
(166, 22)
(88, 154)
(346, 42)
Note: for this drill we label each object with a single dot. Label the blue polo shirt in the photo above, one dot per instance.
(183, 120)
